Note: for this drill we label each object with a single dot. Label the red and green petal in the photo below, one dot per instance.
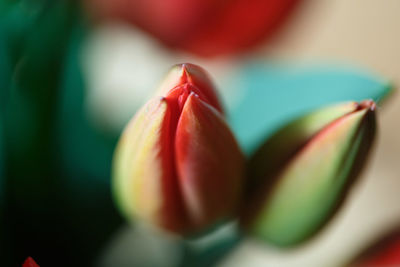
(209, 163)
(295, 203)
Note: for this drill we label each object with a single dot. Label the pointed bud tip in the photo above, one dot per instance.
(184, 68)
(367, 104)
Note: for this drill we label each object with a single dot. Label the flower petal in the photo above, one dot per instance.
(192, 74)
(209, 163)
(144, 179)
(307, 192)
(287, 141)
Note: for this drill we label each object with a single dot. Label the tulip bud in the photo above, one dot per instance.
(177, 164)
(300, 176)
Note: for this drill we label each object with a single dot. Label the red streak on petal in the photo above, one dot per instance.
(173, 212)
(29, 262)
(173, 215)
(177, 99)
(368, 105)
(209, 163)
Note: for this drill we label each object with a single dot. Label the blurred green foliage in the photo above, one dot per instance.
(57, 205)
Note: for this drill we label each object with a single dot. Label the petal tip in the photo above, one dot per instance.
(367, 104)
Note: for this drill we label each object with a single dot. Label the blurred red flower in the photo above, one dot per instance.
(203, 27)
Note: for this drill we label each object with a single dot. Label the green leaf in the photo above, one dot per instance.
(271, 95)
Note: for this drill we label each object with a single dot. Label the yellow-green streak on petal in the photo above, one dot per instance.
(137, 163)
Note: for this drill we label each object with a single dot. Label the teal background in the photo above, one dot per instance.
(274, 94)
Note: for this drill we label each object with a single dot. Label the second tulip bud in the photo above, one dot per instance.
(177, 164)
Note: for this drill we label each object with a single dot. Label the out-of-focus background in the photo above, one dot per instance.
(362, 33)
(73, 73)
